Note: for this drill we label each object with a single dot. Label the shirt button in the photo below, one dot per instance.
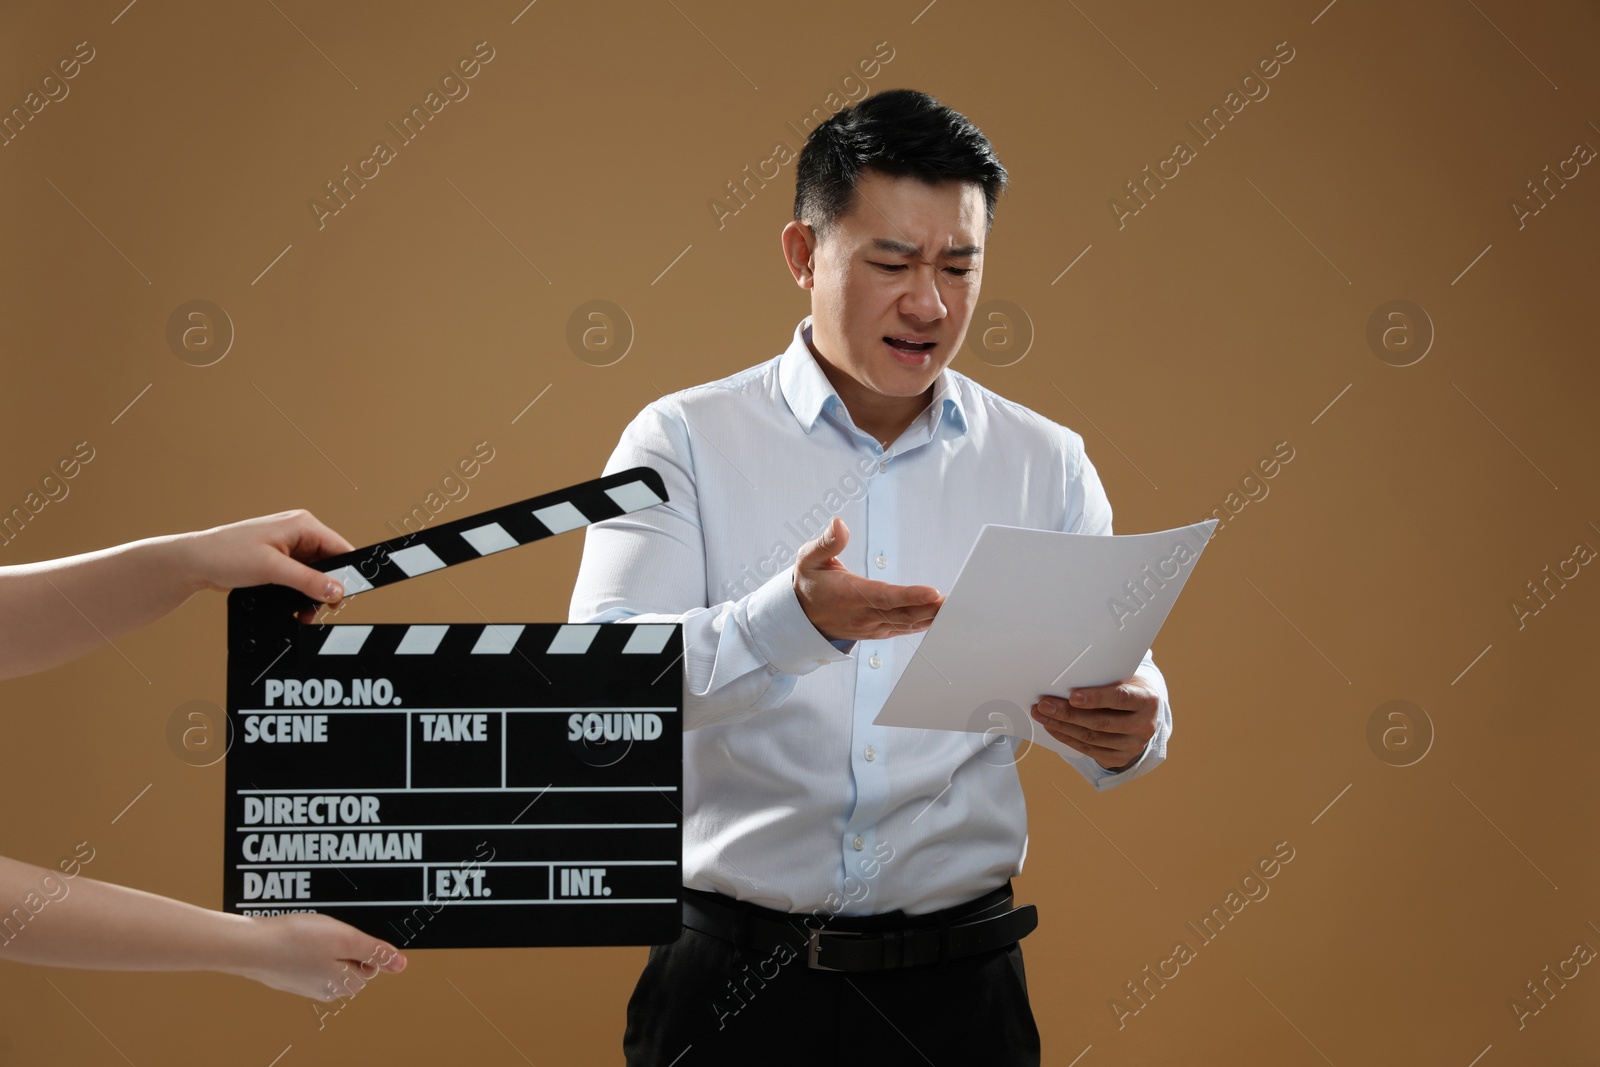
(870, 754)
(875, 662)
(883, 465)
(882, 561)
(859, 842)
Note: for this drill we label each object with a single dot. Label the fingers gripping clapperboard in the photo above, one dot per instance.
(464, 784)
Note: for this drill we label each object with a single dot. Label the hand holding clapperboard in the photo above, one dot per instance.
(463, 784)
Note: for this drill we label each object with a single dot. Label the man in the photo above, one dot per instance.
(814, 839)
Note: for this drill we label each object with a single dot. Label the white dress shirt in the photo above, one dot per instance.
(792, 798)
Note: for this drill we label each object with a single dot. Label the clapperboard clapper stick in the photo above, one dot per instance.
(459, 785)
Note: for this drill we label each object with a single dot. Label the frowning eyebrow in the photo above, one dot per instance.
(901, 248)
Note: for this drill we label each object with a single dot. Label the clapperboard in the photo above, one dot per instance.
(463, 784)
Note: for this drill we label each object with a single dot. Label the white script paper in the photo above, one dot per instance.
(1037, 612)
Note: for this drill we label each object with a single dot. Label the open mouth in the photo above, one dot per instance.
(909, 347)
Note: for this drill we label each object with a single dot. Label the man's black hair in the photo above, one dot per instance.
(899, 132)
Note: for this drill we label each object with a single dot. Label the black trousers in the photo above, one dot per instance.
(701, 1001)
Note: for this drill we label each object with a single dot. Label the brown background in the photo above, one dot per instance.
(1223, 319)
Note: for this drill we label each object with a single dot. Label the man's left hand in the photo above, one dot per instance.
(1111, 724)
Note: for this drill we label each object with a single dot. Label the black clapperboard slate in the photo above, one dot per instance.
(459, 785)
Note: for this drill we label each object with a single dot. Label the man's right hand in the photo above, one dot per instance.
(847, 607)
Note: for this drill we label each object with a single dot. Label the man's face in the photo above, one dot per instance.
(903, 266)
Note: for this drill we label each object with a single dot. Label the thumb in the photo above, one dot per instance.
(388, 958)
(381, 957)
(283, 570)
(831, 543)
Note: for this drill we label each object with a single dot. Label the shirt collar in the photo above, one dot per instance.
(809, 393)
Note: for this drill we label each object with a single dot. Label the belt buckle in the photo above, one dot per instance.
(814, 947)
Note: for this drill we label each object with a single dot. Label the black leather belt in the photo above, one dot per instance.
(870, 943)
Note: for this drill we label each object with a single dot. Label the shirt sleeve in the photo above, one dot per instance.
(1089, 511)
(739, 656)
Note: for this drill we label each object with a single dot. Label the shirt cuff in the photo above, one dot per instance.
(782, 632)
